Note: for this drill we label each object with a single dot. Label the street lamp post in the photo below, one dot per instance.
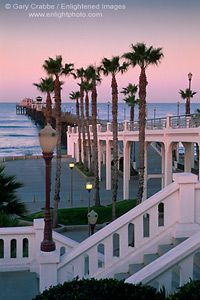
(189, 78)
(154, 112)
(71, 165)
(124, 113)
(89, 188)
(108, 110)
(98, 112)
(48, 138)
(178, 104)
(92, 219)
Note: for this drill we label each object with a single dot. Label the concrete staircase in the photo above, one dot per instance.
(18, 285)
(149, 258)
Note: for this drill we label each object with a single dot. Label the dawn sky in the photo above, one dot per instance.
(26, 41)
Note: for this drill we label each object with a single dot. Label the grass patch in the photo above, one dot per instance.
(78, 216)
(83, 170)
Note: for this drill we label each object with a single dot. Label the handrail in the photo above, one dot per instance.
(167, 261)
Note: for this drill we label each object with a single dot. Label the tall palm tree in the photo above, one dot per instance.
(186, 95)
(93, 74)
(9, 201)
(87, 86)
(142, 56)
(47, 86)
(55, 67)
(76, 96)
(80, 74)
(112, 67)
(131, 100)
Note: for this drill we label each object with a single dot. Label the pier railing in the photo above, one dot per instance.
(174, 122)
(185, 121)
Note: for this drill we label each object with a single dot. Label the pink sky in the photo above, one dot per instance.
(26, 42)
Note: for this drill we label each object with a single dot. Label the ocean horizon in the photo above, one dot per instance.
(19, 134)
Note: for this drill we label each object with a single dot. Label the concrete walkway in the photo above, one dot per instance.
(32, 173)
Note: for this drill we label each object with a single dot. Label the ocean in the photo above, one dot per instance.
(19, 134)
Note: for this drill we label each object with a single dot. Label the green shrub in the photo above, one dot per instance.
(8, 221)
(93, 289)
(190, 290)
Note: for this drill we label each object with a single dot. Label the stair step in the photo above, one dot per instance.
(134, 268)
(162, 249)
(121, 276)
(178, 241)
(149, 258)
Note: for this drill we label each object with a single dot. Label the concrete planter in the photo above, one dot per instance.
(87, 178)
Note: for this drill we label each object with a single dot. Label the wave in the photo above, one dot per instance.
(14, 126)
(18, 135)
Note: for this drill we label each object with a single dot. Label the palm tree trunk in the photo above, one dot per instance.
(94, 129)
(83, 129)
(142, 121)
(48, 108)
(115, 145)
(58, 152)
(187, 107)
(88, 132)
(132, 113)
(79, 130)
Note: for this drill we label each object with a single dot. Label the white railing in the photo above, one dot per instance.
(114, 238)
(17, 247)
(174, 122)
(160, 272)
(20, 246)
(119, 230)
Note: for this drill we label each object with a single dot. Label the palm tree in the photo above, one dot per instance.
(187, 94)
(130, 91)
(47, 86)
(87, 86)
(9, 201)
(112, 67)
(93, 74)
(80, 74)
(142, 56)
(76, 96)
(56, 68)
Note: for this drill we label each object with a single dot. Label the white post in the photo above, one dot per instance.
(186, 196)
(168, 164)
(108, 126)
(99, 158)
(163, 166)
(108, 165)
(192, 155)
(125, 171)
(48, 269)
(187, 162)
(168, 120)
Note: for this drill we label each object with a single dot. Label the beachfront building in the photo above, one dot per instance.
(26, 102)
(167, 132)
